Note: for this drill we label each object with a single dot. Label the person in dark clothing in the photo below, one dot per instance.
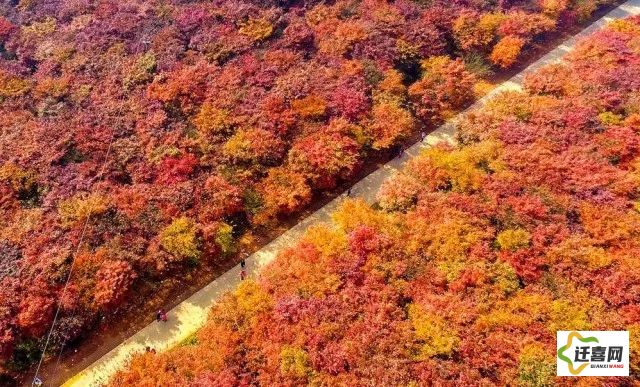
(161, 315)
(242, 264)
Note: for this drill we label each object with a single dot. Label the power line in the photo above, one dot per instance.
(73, 260)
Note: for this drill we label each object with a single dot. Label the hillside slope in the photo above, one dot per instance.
(474, 259)
(139, 140)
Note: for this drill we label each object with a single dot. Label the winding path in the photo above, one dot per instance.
(187, 317)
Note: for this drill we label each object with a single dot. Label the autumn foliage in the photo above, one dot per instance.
(472, 259)
(158, 132)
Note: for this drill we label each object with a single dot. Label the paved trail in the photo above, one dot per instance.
(188, 316)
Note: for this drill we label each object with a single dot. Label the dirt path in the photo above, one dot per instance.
(187, 317)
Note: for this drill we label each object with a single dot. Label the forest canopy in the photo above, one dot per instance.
(170, 128)
(472, 259)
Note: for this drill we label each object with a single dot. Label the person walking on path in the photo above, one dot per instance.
(349, 192)
(401, 151)
(161, 315)
(423, 135)
(243, 275)
(242, 264)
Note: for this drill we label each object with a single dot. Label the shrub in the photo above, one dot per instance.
(141, 71)
(326, 156)
(434, 335)
(224, 239)
(536, 367)
(257, 29)
(525, 25)
(294, 362)
(553, 8)
(113, 280)
(506, 52)
(212, 121)
(23, 183)
(180, 239)
(218, 198)
(444, 87)
(283, 192)
(81, 207)
(255, 146)
(6, 29)
(390, 123)
(12, 86)
(513, 239)
(476, 32)
(312, 107)
(35, 313)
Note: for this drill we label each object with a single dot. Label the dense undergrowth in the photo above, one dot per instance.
(210, 118)
(472, 260)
